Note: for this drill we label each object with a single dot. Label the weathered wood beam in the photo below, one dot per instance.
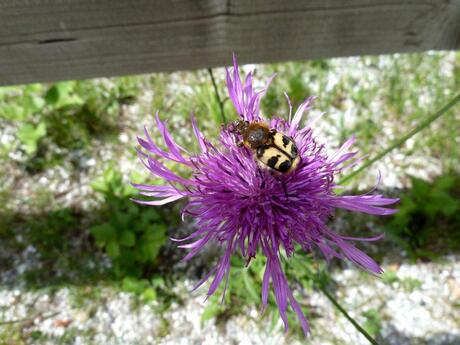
(48, 40)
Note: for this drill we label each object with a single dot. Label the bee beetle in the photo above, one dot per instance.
(272, 148)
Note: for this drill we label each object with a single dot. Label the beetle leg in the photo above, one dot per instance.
(240, 144)
(285, 189)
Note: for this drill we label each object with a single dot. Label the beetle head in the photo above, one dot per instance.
(239, 126)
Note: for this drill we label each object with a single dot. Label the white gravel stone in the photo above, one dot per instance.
(406, 315)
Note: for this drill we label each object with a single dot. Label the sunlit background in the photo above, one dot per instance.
(82, 264)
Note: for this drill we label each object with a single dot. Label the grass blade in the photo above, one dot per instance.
(219, 100)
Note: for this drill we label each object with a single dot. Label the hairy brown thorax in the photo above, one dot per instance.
(255, 134)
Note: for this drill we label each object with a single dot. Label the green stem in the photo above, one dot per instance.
(219, 100)
(399, 142)
(349, 318)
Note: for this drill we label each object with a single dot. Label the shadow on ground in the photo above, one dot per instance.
(395, 337)
(56, 248)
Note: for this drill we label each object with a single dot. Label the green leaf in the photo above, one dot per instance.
(445, 183)
(120, 219)
(36, 104)
(158, 282)
(451, 207)
(211, 311)
(103, 233)
(30, 88)
(52, 95)
(410, 284)
(159, 232)
(113, 249)
(12, 112)
(127, 239)
(29, 136)
(249, 284)
(99, 185)
(128, 257)
(373, 323)
(147, 217)
(62, 95)
(134, 285)
(420, 188)
(150, 251)
(149, 294)
(442, 202)
(389, 277)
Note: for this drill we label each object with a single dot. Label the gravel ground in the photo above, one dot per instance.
(418, 305)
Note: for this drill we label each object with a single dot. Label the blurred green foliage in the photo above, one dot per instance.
(29, 136)
(54, 120)
(146, 288)
(373, 322)
(428, 222)
(131, 235)
(243, 289)
(408, 284)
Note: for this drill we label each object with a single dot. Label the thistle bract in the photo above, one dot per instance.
(248, 208)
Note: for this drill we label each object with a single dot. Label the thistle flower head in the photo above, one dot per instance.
(248, 208)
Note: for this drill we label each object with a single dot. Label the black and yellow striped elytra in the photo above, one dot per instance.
(279, 153)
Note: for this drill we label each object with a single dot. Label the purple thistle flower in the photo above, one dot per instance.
(245, 207)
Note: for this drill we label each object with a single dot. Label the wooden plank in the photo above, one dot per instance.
(48, 40)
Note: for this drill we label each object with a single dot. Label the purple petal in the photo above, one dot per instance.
(199, 136)
(365, 203)
(305, 105)
(357, 256)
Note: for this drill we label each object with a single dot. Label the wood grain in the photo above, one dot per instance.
(48, 40)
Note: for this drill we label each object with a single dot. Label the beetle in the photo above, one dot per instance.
(272, 148)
